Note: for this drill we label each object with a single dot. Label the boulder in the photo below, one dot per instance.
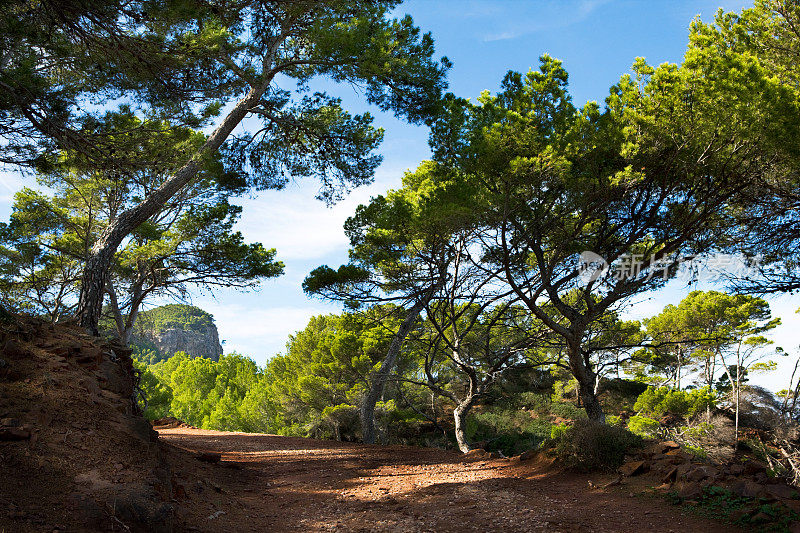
(633, 468)
(14, 349)
(690, 491)
(702, 472)
(780, 492)
(748, 489)
(752, 468)
(671, 476)
(677, 456)
(737, 469)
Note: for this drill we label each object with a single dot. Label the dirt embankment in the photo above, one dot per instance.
(73, 455)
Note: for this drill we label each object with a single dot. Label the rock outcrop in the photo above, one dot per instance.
(178, 328)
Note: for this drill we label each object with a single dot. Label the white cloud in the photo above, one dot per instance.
(301, 227)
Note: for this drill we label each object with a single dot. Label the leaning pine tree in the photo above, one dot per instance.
(184, 64)
(399, 254)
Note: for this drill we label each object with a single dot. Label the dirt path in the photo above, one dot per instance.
(267, 482)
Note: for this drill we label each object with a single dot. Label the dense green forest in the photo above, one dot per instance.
(653, 388)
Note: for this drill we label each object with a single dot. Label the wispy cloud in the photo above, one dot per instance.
(554, 14)
(301, 227)
(297, 224)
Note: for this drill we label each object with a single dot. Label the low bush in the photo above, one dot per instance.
(558, 431)
(644, 426)
(660, 401)
(589, 445)
(567, 410)
(338, 422)
(509, 431)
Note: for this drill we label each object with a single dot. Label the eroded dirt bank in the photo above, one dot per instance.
(283, 484)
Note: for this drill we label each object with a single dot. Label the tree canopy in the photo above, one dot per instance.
(181, 64)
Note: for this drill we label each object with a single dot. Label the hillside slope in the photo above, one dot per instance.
(73, 453)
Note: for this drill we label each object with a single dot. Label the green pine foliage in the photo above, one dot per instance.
(175, 316)
(205, 393)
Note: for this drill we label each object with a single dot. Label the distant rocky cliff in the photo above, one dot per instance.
(177, 328)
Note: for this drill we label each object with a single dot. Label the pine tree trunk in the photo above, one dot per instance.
(586, 383)
(95, 273)
(459, 416)
(119, 320)
(736, 425)
(378, 379)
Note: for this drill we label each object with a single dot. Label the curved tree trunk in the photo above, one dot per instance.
(378, 379)
(95, 272)
(459, 416)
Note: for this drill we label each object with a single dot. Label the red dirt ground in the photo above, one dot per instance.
(273, 483)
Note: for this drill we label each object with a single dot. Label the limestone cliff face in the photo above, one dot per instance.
(178, 328)
(204, 343)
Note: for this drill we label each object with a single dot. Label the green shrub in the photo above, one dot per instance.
(702, 400)
(590, 445)
(643, 426)
(532, 401)
(507, 430)
(558, 431)
(697, 450)
(567, 410)
(339, 422)
(660, 401)
(625, 387)
(155, 396)
(399, 426)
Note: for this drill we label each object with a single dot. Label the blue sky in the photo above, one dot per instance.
(596, 39)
